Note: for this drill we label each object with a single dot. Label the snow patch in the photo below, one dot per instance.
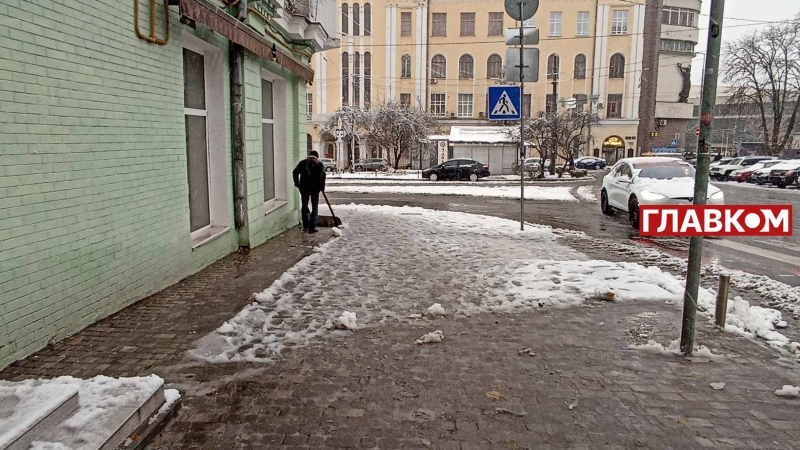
(788, 391)
(336, 232)
(587, 193)
(560, 193)
(170, 396)
(717, 386)
(436, 310)
(346, 321)
(432, 337)
(674, 349)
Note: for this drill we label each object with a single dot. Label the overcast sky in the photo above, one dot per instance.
(769, 10)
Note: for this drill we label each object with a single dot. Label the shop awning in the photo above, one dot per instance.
(223, 23)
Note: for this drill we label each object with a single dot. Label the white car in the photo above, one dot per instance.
(330, 165)
(650, 181)
(744, 173)
(723, 171)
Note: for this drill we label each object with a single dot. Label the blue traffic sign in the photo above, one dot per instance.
(504, 103)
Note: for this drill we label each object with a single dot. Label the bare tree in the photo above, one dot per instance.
(400, 129)
(356, 123)
(763, 69)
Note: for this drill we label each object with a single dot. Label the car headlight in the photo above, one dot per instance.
(717, 195)
(651, 196)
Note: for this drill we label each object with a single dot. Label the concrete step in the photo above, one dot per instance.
(111, 409)
(26, 412)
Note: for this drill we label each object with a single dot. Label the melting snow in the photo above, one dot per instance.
(788, 391)
(346, 321)
(674, 349)
(431, 338)
(476, 190)
(472, 264)
(436, 310)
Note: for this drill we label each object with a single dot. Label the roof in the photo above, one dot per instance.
(483, 135)
(649, 159)
(438, 137)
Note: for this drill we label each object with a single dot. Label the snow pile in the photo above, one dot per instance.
(430, 338)
(471, 264)
(674, 349)
(33, 403)
(388, 175)
(754, 321)
(101, 399)
(436, 310)
(560, 193)
(347, 321)
(170, 396)
(788, 391)
(717, 386)
(336, 232)
(587, 193)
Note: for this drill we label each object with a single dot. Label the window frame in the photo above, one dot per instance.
(464, 64)
(582, 27)
(439, 101)
(438, 19)
(489, 67)
(439, 75)
(578, 75)
(495, 19)
(367, 19)
(463, 104)
(356, 13)
(345, 18)
(213, 68)
(405, 25)
(618, 110)
(556, 20)
(279, 138)
(466, 23)
(553, 70)
(405, 66)
(618, 26)
(616, 69)
(406, 95)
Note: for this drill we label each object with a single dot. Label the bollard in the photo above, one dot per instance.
(722, 301)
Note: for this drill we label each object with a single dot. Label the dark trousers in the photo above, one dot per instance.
(310, 223)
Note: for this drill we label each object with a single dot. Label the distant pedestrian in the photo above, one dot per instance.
(309, 178)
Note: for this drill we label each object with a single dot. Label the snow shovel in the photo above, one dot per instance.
(328, 221)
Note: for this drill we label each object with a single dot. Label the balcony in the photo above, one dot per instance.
(308, 20)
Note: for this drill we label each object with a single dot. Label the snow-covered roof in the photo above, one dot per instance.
(438, 137)
(484, 135)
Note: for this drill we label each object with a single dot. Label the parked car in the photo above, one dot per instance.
(536, 163)
(330, 165)
(650, 181)
(721, 161)
(762, 176)
(744, 174)
(785, 174)
(372, 164)
(723, 171)
(590, 162)
(457, 169)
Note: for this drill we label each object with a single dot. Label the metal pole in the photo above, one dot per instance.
(722, 301)
(701, 177)
(521, 122)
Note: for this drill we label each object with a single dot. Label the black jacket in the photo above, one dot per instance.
(309, 176)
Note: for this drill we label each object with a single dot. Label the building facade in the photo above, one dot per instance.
(442, 55)
(118, 150)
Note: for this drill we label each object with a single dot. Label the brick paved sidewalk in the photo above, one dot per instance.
(376, 389)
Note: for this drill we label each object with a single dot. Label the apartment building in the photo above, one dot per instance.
(611, 55)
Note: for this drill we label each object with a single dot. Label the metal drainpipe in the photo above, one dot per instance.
(591, 82)
(427, 56)
(238, 134)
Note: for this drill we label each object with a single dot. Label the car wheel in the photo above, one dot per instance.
(604, 206)
(473, 177)
(359, 169)
(328, 169)
(781, 184)
(597, 167)
(633, 212)
(433, 177)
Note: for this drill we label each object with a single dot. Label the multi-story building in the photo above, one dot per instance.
(122, 128)
(666, 109)
(442, 55)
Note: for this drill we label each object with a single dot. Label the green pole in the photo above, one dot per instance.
(710, 77)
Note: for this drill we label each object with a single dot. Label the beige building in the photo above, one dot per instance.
(442, 55)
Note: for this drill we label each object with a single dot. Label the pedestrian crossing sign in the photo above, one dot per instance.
(504, 103)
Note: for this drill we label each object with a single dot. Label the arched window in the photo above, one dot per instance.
(405, 66)
(438, 67)
(494, 67)
(345, 78)
(580, 67)
(367, 79)
(553, 66)
(617, 67)
(367, 19)
(345, 18)
(356, 19)
(356, 79)
(466, 67)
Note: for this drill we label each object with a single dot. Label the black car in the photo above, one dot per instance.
(784, 177)
(590, 162)
(457, 169)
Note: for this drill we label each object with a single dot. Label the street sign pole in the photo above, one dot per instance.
(701, 177)
(522, 154)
